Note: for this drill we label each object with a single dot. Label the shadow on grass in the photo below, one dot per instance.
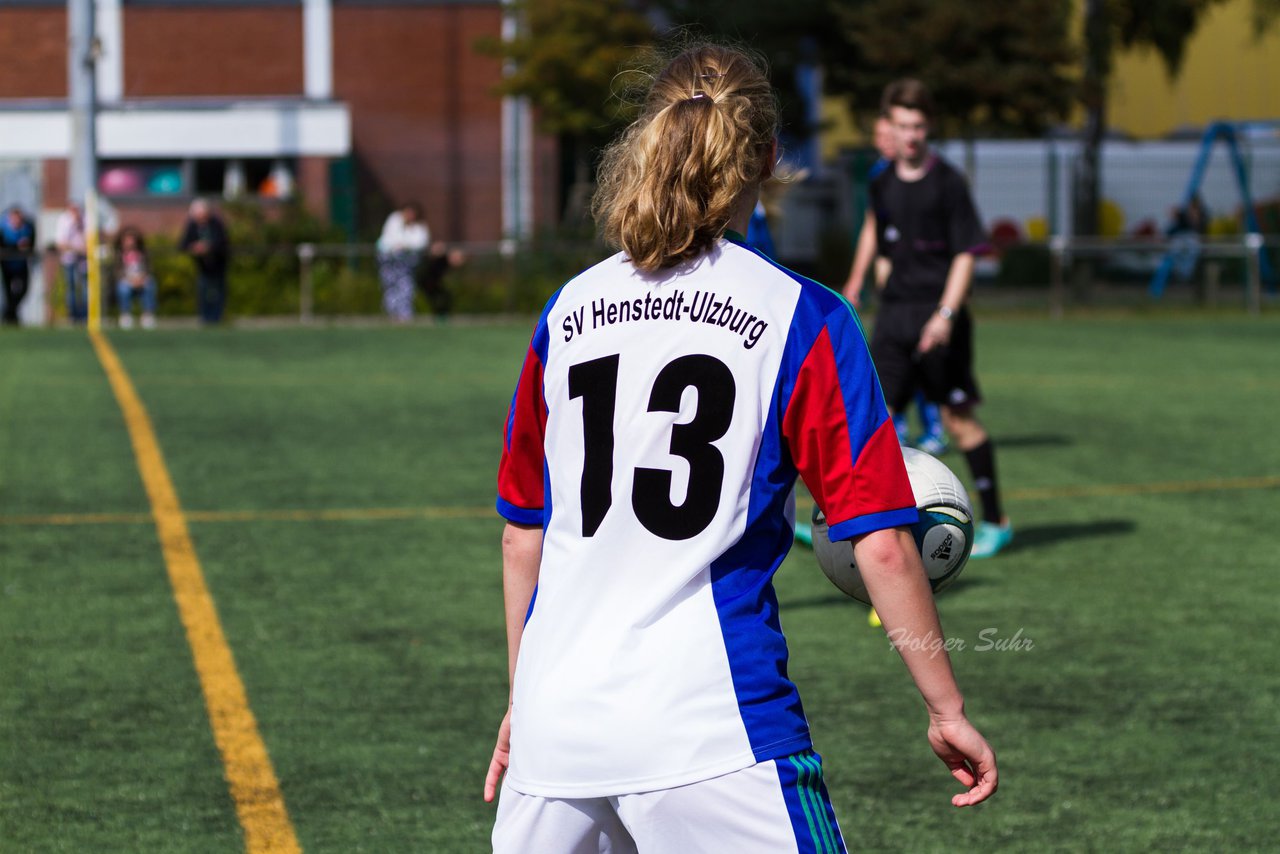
(965, 582)
(1025, 539)
(1035, 536)
(1035, 440)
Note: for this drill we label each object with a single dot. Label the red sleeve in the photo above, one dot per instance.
(520, 473)
(842, 439)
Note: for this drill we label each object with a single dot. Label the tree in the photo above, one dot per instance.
(790, 35)
(1164, 25)
(565, 60)
(999, 68)
(1265, 13)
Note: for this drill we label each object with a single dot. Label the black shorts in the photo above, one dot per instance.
(944, 374)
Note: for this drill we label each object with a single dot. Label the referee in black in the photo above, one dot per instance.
(927, 226)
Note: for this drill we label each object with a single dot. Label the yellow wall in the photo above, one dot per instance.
(1226, 74)
(838, 128)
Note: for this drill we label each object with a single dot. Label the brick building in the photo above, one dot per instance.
(359, 105)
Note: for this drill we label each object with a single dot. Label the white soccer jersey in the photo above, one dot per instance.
(656, 433)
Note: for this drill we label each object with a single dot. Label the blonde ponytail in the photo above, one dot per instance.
(668, 184)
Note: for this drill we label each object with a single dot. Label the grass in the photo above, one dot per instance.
(1143, 716)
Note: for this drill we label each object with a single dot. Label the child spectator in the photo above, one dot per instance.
(134, 279)
(430, 274)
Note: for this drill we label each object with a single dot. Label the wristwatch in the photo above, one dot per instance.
(944, 312)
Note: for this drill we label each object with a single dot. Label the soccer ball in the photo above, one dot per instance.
(944, 533)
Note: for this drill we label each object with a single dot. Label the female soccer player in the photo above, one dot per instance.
(669, 398)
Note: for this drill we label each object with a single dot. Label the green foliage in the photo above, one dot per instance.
(565, 61)
(263, 273)
(345, 287)
(263, 277)
(1162, 25)
(175, 276)
(787, 34)
(550, 262)
(1265, 13)
(1003, 69)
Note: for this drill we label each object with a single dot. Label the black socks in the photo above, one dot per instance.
(982, 463)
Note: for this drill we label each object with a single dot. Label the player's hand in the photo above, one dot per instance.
(501, 758)
(853, 293)
(971, 760)
(936, 333)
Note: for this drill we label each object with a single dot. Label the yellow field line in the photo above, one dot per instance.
(252, 781)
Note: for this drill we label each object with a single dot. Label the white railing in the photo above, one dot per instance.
(1065, 251)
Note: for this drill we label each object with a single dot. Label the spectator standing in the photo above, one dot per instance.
(204, 238)
(135, 279)
(17, 238)
(70, 240)
(404, 238)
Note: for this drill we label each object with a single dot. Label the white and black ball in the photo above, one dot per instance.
(944, 532)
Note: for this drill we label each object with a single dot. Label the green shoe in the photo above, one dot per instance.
(990, 539)
(804, 534)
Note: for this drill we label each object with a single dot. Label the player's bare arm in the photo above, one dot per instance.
(862, 260)
(899, 590)
(937, 331)
(521, 557)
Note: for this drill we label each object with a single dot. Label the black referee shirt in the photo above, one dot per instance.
(922, 225)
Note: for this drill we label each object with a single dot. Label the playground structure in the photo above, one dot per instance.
(1226, 132)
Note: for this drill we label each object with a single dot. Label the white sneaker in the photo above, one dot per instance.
(126, 321)
(148, 321)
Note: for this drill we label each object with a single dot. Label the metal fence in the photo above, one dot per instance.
(1078, 267)
(316, 281)
(1029, 183)
(313, 281)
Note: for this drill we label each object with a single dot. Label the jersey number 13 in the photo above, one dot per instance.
(596, 382)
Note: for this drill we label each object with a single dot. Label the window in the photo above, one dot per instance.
(267, 178)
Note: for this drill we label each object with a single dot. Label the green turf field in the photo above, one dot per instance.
(337, 485)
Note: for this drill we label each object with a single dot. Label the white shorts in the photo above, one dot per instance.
(772, 807)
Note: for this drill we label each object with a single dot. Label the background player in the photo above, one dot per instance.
(933, 438)
(928, 227)
(668, 398)
(866, 253)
